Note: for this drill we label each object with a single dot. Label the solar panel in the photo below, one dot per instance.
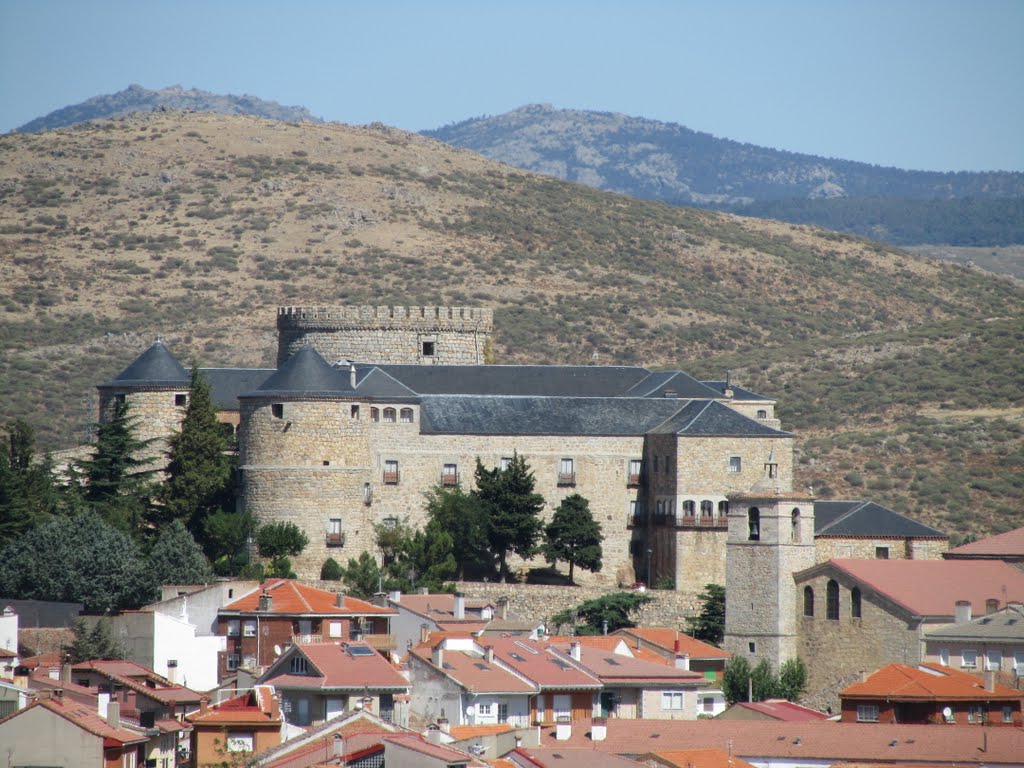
(361, 650)
(613, 662)
(481, 665)
(561, 663)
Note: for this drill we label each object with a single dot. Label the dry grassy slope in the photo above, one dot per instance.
(197, 226)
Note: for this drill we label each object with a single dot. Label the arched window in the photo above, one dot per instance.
(707, 509)
(406, 415)
(794, 526)
(855, 603)
(375, 414)
(689, 507)
(723, 509)
(832, 600)
(808, 601)
(753, 524)
(389, 415)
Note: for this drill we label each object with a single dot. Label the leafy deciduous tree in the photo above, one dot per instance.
(735, 679)
(573, 535)
(792, 679)
(278, 541)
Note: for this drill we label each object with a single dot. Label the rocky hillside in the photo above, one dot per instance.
(902, 374)
(135, 98)
(669, 162)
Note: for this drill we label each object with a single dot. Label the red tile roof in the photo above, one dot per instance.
(780, 709)
(141, 680)
(665, 637)
(611, 643)
(85, 718)
(931, 587)
(614, 668)
(821, 740)
(696, 758)
(252, 708)
(1009, 544)
(463, 732)
(925, 683)
(291, 598)
(417, 743)
(555, 756)
(441, 607)
(359, 729)
(333, 666)
(474, 673)
(535, 661)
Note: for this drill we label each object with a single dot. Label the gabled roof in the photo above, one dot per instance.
(255, 707)
(518, 380)
(866, 518)
(710, 418)
(1006, 625)
(617, 669)
(780, 709)
(542, 665)
(441, 607)
(291, 598)
(374, 382)
(474, 673)
(334, 666)
(228, 384)
(671, 384)
(360, 729)
(898, 682)
(929, 588)
(306, 374)
(738, 393)
(156, 367)
(85, 718)
(709, 757)
(142, 680)
(612, 643)
(667, 638)
(1009, 545)
(556, 756)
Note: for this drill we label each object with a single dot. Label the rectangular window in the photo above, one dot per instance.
(335, 537)
(503, 713)
(180, 400)
(450, 474)
(249, 628)
(504, 463)
(881, 553)
(994, 660)
(735, 464)
(334, 629)
(566, 472)
(239, 741)
(974, 713)
(944, 657)
(233, 627)
(391, 472)
(389, 415)
(354, 412)
(375, 414)
(232, 662)
(562, 705)
(405, 416)
(1018, 663)
(656, 465)
(635, 466)
(1007, 713)
(428, 348)
(708, 705)
(968, 659)
(671, 700)
(277, 410)
(867, 713)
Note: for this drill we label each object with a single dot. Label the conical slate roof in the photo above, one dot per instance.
(306, 373)
(156, 367)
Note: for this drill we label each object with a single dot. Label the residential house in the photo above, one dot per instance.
(141, 692)
(12, 698)
(261, 624)
(857, 615)
(58, 731)
(322, 680)
(709, 757)
(244, 726)
(346, 739)
(670, 643)
(637, 688)
(771, 709)
(420, 613)
(8, 643)
(557, 757)
(990, 643)
(930, 693)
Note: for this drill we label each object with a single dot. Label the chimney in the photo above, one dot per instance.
(339, 745)
(424, 633)
(437, 654)
(172, 671)
(424, 591)
(668, 393)
(563, 728)
(489, 654)
(352, 375)
(204, 705)
(395, 596)
(266, 602)
(727, 390)
(460, 605)
(114, 713)
(503, 608)
(678, 647)
(683, 661)
(962, 611)
(434, 735)
(574, 650)
(990, 680)
(275, 707)
(599, 729)
(339, 600)
(444, 725)
(65, 673)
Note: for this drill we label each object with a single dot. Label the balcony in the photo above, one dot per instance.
(566, 478)
(665, 519)
(449, 479)
(335, 540)
(638, 520)
(391, 478)
(633, 480)
(380, 642)
(718, 523)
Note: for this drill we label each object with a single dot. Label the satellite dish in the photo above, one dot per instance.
(947, 712)
(470, 710)
(277, 650)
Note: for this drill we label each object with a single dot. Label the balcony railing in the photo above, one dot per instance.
(449, 478)
(632, 479)
(567, 478)
(391, 478)
(702, 521)
(638, 520)
(335, 539)
(380, 642)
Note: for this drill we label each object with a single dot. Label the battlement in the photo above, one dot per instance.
(363, 317)
(411, 335)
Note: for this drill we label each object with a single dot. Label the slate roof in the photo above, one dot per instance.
(866, 518)
(228, 384)
(710, 418)
(738, 393)
(928, 682)
(306, 373)
(929, 588)
(1006, 625)
(677, 383)
(154, 367)
(1009, 544)
(519, 380)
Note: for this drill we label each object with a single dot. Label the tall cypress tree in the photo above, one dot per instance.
(28, 494)
(512, 509)
(199, 472)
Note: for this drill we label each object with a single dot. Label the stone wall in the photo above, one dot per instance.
(154, 413)
(829, 548)
(452, 335)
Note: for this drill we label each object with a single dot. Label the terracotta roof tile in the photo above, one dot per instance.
(85, 718)
(463, 732)
(1009, 544)
(417, 743)
(557, 756)
(931, 587)
(475, 674)
(535, 661)
(614, 668)
(665, 637)
(696, 758)
(139, 679)
(929, 681)
(290, 597)
(780, 709)
(441, 607)
(337, 668)
(610, 643)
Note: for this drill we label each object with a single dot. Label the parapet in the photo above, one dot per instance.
(367, 317)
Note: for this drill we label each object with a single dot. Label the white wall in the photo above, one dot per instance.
(9, 630)
(152, 639)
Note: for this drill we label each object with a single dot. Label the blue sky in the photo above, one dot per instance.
(925, 84)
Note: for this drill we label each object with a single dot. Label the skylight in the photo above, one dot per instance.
(360, 650)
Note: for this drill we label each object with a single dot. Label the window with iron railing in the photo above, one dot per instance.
(391, 472)
(633, 475)
(566, 472)
(450, 474)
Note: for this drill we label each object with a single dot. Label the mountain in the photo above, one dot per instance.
(901, 374)
(135, 98)
(668, 162)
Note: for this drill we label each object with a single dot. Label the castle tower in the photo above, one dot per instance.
(156, 387)
(771, 536)
(397, 335)
(304, 458)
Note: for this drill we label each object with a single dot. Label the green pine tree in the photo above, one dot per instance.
(199, 470)
(709, 624)
(94, 643)
(613, 611)
(362, 577)
(511, 508)
(573, 535)
(459, 513)
(176, 558)
(28, 495)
